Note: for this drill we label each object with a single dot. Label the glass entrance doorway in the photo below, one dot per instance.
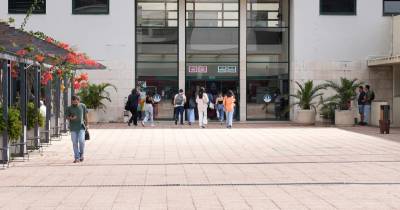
(213, 88)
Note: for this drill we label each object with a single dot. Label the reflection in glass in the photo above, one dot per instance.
(90, 7)
(267, 44)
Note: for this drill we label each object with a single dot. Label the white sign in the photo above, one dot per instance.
(267, 98)
(157, 98)
(198, 69)
(227, 69)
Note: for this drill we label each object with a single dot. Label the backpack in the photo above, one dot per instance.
(128, 104)
(179, 100)
(372, 96)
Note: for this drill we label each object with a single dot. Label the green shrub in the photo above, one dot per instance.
(14, 124)
(34, 116)
(94, 95)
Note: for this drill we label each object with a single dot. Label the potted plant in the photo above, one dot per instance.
(3, 126)
(327, 111)
(345, 93)
(34, 116)
(93, 97)
(14, 128)
(305, 96)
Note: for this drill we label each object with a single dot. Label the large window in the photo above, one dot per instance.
(157, 51)
(391, 7)
(22, 6)
(90, 6)
(212, 13)
(338, 7)
(267, 60)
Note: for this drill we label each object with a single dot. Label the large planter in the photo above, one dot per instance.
(344, 117)
(93, 116)
(306, 117)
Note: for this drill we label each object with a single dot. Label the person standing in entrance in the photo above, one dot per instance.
(191, 105)
(133, 101)
(148, 109)
(202, 105)
(179, 104)
(220, 107)
(369, 97)
(361, 103)
(77, 116)
(229, 105)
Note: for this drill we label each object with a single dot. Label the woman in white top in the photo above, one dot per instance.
(202, 105)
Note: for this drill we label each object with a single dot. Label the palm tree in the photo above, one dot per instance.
(306, 95)
(94, 95)
(345, 92)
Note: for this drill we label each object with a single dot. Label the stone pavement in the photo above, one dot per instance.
(250, 167)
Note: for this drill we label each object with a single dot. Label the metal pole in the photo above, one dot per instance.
(48, 111)
(6, 82)
(58, 106)
(36, 88)
(65, 98)
(23, 104)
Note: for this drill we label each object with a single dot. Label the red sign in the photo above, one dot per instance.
(198, 69)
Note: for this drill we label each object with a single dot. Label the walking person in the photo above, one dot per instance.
(361, 104)
(133, 101)
(202, 105)
(369, 97)
(229, 105)
(191, 105)
(148, 109)
(179, 103)
(77, 116)
(220, 107)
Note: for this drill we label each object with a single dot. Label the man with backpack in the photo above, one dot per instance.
(369, 97)
(179, 104)
(132, 106)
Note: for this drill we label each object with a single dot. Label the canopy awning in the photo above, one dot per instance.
(13, 40)
(384, 61)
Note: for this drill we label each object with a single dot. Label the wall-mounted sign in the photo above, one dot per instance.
(157, 98)
(227, 69)
(267, 98)
(198, 69)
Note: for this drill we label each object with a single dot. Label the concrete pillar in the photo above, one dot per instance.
(182, 43)
(6, 85)
(243, 59)
(23, 107)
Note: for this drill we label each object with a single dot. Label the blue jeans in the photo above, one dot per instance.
(367, 111)
(78, 143)
(229, 118)
(220, 110)
(179, 111)
(190, 115)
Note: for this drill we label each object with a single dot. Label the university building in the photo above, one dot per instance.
(257, 48)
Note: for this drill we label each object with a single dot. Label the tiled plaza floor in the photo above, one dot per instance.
(254, 166)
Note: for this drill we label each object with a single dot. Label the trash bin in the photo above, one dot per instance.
(384, 121)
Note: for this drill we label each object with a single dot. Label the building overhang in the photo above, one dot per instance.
(384, 61)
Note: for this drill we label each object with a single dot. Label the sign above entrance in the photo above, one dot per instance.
(198, 69)
(227, 69)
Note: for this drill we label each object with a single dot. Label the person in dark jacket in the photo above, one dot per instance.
(133, 101)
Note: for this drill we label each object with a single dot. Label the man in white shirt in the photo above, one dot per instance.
(179, 103)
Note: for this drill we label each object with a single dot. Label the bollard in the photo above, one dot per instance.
(384, 121)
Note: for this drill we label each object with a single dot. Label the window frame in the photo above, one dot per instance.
(35, 12)
(388, 13)
(338, 13)
(74, 12)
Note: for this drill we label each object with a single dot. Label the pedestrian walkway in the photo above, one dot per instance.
(266, 167)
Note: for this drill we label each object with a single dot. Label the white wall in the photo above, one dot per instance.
(328, 47)
(108, 39)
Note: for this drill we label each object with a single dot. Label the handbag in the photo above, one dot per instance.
(87, 135)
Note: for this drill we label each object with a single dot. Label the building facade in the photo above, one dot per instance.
(257, 48)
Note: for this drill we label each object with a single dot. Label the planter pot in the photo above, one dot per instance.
(30, 134)
(93, 116)
(306, 117)
(344, 117)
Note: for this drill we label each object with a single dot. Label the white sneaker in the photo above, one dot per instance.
(142, 123)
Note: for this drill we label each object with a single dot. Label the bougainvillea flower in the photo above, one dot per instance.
(59, 72)
(77, 85)
(49, 39)
(84, 77)
(84, 84)
(46, 77)
(39, 58)
(22, 52)
(63, 45)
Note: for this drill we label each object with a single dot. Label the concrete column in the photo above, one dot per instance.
(6, 85)
(182, 43)
(23, 107)
(243, 59)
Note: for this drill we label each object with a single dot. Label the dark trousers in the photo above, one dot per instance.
(179, 111)
(134, 116)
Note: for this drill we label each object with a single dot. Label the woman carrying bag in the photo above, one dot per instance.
(202, 105)
(229, 105)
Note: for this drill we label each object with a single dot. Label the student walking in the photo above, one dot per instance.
(361, 104)
(179, 103)
(202, 105)
(369, 97)
(229, 105)
(148, 109)
(191, 105)
(220, 107)
(77, 116)
(133, 101)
